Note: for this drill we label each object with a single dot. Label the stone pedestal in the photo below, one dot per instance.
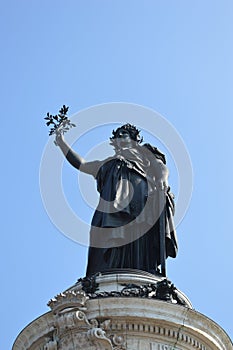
(122, 310)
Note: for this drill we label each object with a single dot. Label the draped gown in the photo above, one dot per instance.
(125, 226)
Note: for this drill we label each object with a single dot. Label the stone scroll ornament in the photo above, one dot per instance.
(59, 123)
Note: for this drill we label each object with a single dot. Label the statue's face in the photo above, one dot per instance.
(123, 138)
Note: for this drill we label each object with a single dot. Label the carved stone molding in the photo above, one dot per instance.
(98, 337)
(163, 289)
(72, 323)
(51, 345)
(68, 299)
(118, 342)
(122, 312)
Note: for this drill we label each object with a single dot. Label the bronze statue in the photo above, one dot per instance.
(130, 228)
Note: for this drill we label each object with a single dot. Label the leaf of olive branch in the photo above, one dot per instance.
(60, 122)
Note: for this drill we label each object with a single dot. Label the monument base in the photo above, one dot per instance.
(122, 310)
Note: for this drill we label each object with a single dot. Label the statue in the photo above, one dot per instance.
(133, 179)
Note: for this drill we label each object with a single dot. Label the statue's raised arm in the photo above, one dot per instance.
(73, 157)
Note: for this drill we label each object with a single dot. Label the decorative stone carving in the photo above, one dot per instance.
(98, 337)
(52, 340)
(163, 290)
(118, 342)
(71, 322)
(81, 319)
(67, 300)
(97, 333)
(155, 346)
(126, 312)
(89, 284)
(51, 345)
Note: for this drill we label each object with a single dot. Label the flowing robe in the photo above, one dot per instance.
(125, 226)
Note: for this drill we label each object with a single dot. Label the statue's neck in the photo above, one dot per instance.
(129, 147)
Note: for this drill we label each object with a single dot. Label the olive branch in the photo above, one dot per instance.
(60, 122)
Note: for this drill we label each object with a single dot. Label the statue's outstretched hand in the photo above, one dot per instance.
(59, 139)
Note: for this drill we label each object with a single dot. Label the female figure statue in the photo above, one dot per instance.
(125, 229)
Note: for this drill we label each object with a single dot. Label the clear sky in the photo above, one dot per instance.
(171, 56)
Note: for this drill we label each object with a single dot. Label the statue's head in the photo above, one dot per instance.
(124, 134)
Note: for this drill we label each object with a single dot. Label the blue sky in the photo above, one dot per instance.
(171, 56)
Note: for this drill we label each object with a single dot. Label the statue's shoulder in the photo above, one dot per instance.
(155, 151)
